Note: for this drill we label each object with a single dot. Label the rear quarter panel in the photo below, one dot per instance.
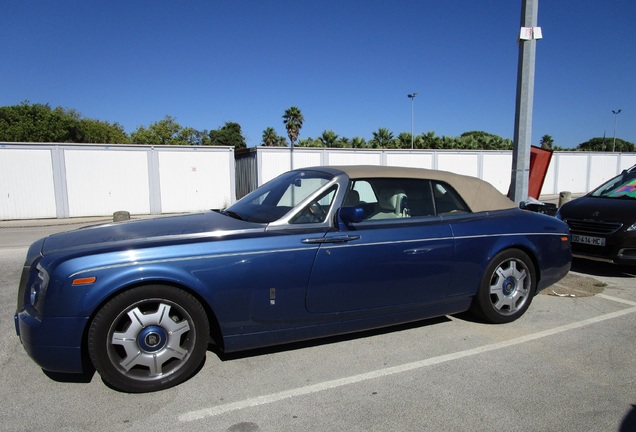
(481, 236)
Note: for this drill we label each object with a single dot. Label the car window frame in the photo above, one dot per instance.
(427, 191)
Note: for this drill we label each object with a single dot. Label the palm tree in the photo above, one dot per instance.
(270, 137)
(382, 138)
(328, 138)
(547, 142)
(358, 142)
(404, 140)
(293, 123)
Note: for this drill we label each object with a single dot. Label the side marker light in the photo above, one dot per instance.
(84, 281)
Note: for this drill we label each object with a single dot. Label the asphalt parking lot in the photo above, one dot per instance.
(567, 365)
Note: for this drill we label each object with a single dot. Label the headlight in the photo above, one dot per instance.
(632, 228)
(38, 288)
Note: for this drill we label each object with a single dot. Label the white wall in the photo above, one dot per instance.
(26, 184)
(576, 172)
(195, 180)
(102, 182)
(72, 180)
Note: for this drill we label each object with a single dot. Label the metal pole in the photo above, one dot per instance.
(616, 113)
(412, 97)
(523, 113)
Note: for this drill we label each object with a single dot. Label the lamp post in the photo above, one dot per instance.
(412, 97)
(616, 113)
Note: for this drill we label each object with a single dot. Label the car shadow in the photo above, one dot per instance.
(78, 378)
(87, 377)
(597, 268)
(325, 340)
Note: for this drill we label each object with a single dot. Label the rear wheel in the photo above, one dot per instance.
(506, 288)
(148, 338)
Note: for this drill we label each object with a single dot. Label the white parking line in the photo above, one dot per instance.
(616, 299)
(380, 373)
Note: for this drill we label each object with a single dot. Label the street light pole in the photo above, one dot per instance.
(412, 97)
(616, 113)
(528, 37)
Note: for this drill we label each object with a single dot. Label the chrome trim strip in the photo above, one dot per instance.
(323, 246)
(188, 258)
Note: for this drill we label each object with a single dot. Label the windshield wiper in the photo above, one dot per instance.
(233, 214)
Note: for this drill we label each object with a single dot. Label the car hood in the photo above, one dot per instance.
(596, 208)
(164, 230)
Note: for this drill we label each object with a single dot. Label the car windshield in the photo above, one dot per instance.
(276, 198)
(622, 186)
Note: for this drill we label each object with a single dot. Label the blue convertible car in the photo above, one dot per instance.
(315, 252)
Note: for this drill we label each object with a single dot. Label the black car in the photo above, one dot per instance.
(603, 222)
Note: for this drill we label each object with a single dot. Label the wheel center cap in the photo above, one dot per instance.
(509, 286)
(152, 338)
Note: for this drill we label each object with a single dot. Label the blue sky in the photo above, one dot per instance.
(348, 65)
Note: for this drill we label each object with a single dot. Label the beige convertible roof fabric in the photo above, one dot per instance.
(478, 194)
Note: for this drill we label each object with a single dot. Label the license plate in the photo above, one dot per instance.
(594, 241)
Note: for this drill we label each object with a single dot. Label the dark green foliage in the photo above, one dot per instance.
(293, 120)
(606, 145)
(28, 122)
(228, 135)
(40, 123)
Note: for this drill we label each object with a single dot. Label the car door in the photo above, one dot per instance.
(382, 261)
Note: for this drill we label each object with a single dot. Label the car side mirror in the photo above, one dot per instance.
(349, 215)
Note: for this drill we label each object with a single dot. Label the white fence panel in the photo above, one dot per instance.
(354, 157)
(272, 164)
(466, 163)
(101, 182)
(308, 158)
(495, 170)
(26, 184)
(627, 160)
(410, 159)
(601, 168)
(572, 172)
(194, 180)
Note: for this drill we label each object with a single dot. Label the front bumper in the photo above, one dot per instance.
(612, 253)
(55, 344)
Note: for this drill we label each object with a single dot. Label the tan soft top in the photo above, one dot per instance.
(478, 194)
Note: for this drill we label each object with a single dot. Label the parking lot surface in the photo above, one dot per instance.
(567, 365)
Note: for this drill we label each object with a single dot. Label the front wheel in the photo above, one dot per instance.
(148, 338)
(506, 288)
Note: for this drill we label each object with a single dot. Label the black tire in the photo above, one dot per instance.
(507, 287)
(148, 338)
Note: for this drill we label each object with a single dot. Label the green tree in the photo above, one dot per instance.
(293, 120)
(270, 137)
(191, 136)
(358, 142)
(163, 132)
(382, 138)
(228, 135)
(343, 142)
(39, 123)
(429, 141)
(403, 141)
(606, 145)
(96, 131)
(328, 138)
(307, 142)
(479, 140)
(547, 142)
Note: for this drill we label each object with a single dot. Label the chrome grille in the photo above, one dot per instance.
(593, 227)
